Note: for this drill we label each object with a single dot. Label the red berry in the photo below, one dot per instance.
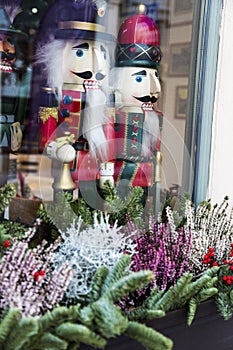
(224, 278)
(36, 276)
(6, 243)
(42, 273)
(214, 263)
(211, 250)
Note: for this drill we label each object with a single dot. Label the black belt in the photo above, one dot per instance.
(135, 159)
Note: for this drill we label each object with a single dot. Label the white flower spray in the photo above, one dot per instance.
(88, 249)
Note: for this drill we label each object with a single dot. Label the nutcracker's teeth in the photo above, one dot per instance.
(6, 68)
(92, 84)
(147, 106)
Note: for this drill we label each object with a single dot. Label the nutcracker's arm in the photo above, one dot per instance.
(48, 116)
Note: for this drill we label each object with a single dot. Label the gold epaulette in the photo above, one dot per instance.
(46, 112)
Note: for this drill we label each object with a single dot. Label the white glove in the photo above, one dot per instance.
(64, 154)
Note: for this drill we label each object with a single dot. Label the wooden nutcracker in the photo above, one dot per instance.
(76, 123)
(13, 103)
(138, 122)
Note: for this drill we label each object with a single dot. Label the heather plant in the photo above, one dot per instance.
(27, 281)
(163, 249)
(212, 229)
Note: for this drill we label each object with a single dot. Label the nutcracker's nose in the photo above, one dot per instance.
(98, 65)
(155, 87)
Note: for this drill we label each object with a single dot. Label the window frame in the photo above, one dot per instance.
(201, 95)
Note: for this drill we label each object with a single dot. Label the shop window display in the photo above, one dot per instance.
(115, 246)
(174, 23)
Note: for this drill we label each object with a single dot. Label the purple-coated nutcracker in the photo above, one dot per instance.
(76, 124)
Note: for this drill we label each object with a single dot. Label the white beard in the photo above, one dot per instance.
(150, 134)
(94, 120)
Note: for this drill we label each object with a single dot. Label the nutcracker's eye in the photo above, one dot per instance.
(138, 78)
(10, 42)
(80, 49)
(79, 53)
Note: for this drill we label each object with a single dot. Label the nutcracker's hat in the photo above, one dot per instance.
(138, 43)
(78, 19)
(7, 15)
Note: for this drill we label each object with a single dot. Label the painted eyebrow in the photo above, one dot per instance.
(84, 46)
(142, 72)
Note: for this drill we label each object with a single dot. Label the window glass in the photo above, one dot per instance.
(180, 86)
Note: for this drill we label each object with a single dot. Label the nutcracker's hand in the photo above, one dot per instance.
(64, 153)
(106, 173)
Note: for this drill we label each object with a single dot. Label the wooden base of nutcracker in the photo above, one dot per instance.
(64, 181)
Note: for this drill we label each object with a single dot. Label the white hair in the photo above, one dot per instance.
(50, 56)
(151, 132)
(95, 116)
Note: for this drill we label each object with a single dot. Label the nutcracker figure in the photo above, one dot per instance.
(137, 88)
(77, 123)
(12, 71)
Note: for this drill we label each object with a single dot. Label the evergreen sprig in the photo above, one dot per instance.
(148, 337)
(7, 192)
(93, 324)
(119, 208)
(224, 298)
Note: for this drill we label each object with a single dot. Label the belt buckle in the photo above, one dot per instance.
(85, 146)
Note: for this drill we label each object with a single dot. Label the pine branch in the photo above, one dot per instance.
(8, 323)
(205, 294)
(172, 295)
(224, 302)
(148, 337)
(119, 208)
(51, 341)
(54, 317)
(153, 299)
(79, 333)
(97, 283)
(141, 313)
(108, 318)
(86, 316)
(115, 274)
(22, 331)
(6, 195)
(128, 284)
